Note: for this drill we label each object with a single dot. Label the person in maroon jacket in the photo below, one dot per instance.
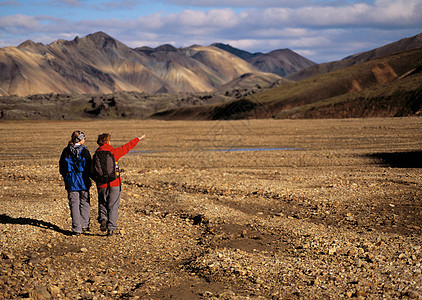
(109, 194)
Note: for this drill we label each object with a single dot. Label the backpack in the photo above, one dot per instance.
(104, 167)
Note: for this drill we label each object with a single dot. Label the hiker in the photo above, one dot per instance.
(109, 192)
(74, 166)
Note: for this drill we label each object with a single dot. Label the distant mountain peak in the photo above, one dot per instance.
(235, 51)
(28, 44)
(98, 35)
(98, 63)
(101, 40)
(285, 50)
(166, 47)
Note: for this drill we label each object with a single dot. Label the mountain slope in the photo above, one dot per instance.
(238, 52)
(222, 63)
(94, 64)
(250, 80)
(97, 63)
(387, 86)
(177, 69)
(401, 45)
(364, 86)
(281, 62)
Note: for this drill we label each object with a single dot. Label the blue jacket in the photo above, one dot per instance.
(75, 163)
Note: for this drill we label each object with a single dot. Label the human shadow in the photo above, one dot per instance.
(410, 159)
(5, 219)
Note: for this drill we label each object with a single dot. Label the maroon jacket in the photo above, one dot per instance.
(118, 153)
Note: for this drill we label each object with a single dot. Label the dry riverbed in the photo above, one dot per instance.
(307, 209)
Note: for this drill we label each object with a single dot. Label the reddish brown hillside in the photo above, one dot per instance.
(388, 86)
(396, 47)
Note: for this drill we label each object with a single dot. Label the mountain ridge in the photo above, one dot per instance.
(388, 86)
(398, 46)
(281, 62)
(98, 63)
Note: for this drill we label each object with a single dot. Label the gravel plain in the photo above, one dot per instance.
(248, 209)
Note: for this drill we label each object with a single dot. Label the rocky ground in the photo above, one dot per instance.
(119, 105)
(335, 213)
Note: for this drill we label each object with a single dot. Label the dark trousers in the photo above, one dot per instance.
(108, 206)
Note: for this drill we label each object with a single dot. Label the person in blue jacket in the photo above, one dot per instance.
(75, 163)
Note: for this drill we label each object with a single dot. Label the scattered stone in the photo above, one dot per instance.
(8, 255)
(216, 223)
(54, 291)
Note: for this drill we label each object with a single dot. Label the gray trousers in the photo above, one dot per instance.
(80, 207)
(108, 206)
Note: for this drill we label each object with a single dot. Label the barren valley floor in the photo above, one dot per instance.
(327, 209)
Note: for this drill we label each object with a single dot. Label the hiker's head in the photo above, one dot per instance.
(77, 137)
(103, 138)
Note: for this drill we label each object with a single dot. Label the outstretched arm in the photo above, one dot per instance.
(123, 150)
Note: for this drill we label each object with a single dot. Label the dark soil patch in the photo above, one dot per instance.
(411, 159)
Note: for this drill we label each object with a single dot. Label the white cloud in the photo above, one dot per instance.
(279, 33)
(399, 12)
(223, 18)
(18, 23)
(381, 14)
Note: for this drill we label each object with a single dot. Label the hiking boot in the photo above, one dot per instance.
(111, 232)
(103, 225)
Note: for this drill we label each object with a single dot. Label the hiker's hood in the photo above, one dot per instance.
(76, 149)
(105, 147)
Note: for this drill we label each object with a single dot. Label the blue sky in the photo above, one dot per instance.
(321, 30)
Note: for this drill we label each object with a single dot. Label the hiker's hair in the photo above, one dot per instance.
(74, 138)
(103, 138)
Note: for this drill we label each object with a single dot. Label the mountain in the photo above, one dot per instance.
(251, 80)
(385, 87)
(281, 62)
(389, 86)
(238, 52)
(98, 77)
(98, 63)
(401, 45)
